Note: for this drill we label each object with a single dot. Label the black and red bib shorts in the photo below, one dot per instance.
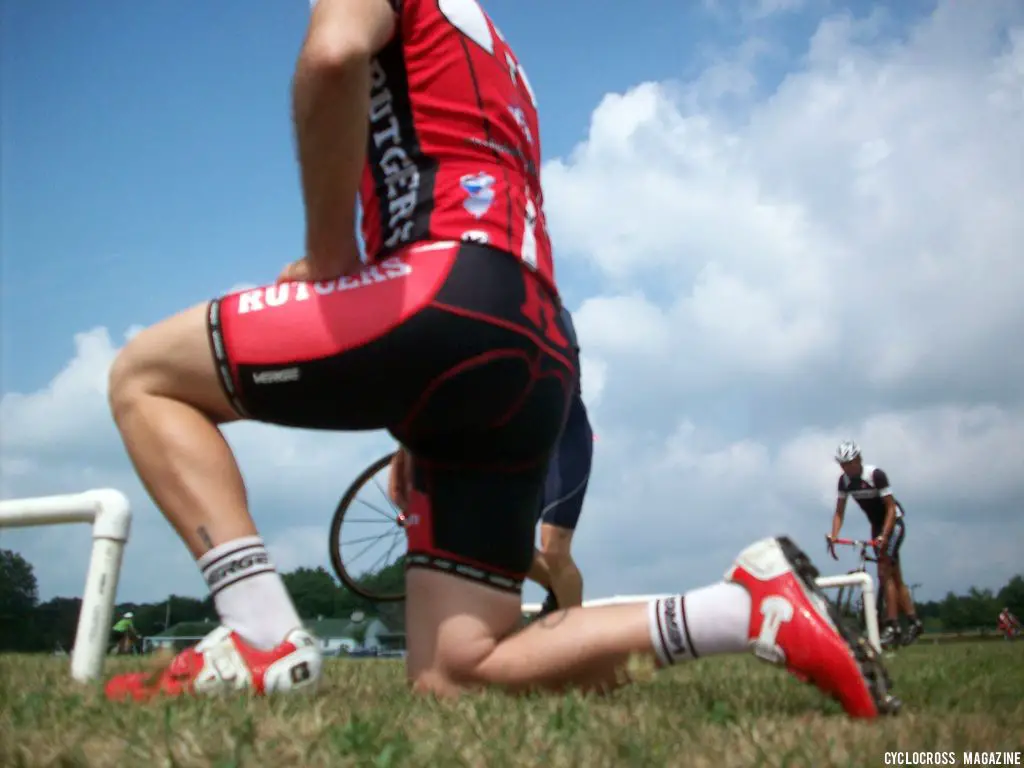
(457, 349)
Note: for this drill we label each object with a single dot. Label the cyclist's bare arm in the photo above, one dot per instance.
(837, 518)
(331, 84)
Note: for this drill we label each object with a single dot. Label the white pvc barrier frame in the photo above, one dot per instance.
(861, 579)
(110, 514)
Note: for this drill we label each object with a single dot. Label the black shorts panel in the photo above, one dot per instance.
(458, 351)
(892, 547)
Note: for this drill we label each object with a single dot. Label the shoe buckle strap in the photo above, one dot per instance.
(223, 666)
(775, 611)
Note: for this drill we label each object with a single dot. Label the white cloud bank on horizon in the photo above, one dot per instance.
(843, 260)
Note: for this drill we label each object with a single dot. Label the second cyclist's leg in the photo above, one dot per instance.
(906, 600)
(539, 571)
(906, 606)
(564, 492)
(890, 630)
(566, 579)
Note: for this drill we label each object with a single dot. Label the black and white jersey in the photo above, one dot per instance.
(869, 491)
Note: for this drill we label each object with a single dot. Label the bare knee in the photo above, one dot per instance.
(456, 669)
(454, 627)
(124, 382)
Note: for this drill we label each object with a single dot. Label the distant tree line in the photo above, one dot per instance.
(28, 625)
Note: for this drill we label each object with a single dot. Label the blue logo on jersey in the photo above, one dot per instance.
(479, 193)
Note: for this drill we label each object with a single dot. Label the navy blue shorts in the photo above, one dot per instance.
(569, 470)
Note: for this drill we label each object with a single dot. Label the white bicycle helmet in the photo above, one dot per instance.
(129, 615)
(847, 451)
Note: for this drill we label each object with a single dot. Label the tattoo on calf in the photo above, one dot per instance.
(204, 536)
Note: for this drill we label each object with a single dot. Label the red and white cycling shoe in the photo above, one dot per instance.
(222, 662)
(794, 625)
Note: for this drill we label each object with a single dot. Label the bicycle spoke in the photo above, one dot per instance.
(378, 537)
(378, 522)
(373, 568)
(345, 552)
(392, 547)
(386, 496)
(378, 510)
(366, 548)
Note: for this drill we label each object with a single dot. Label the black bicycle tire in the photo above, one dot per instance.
(333, 544)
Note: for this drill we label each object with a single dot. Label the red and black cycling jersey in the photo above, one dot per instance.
(869, 491)
(454, 145)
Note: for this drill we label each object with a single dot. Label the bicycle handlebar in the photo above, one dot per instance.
(851, 542)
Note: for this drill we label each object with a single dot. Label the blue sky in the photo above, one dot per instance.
(148, 157)
(749, 221)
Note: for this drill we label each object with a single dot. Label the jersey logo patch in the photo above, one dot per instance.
(479, 193)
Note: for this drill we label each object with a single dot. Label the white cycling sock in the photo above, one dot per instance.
(703, 622)
(248, 593)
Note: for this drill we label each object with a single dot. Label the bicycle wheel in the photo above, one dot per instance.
(379, 525)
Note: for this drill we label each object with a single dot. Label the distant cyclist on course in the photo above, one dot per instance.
(869, 487)
(123, 633)
(1008, 625)
(450, 336)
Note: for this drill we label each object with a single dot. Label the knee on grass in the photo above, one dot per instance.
(457, 665)
(471, 665)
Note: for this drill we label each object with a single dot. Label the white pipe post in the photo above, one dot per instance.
(867, 585)
(110, 513)
(109, 536)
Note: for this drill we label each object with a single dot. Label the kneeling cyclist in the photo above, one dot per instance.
(450, 337)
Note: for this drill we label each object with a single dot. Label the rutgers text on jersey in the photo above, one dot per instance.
(454, 148)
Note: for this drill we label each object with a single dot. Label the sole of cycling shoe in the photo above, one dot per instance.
(872, 668)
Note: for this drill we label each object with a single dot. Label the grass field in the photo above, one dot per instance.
(718, 712)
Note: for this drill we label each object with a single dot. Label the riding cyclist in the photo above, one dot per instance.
(1009, 625)
(869, 487)
(123, 633)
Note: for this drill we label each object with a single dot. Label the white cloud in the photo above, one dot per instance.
(61, 439)
(838, 258)
(866, 208)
